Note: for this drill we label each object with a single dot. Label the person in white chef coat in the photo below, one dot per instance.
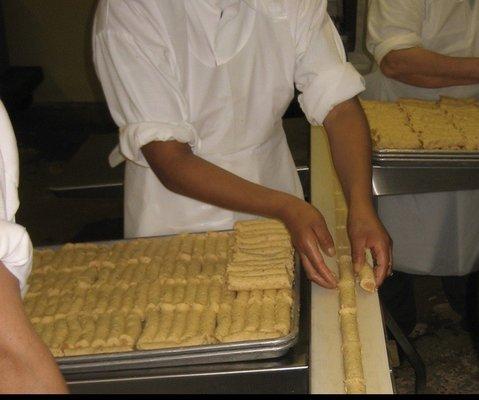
(26, 364)
(198, 89)
(424, 49)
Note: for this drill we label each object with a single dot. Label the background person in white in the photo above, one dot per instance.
(424, 49)
(198, 89)
(26, 364)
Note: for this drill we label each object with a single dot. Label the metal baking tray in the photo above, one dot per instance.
(180, 356)
(426, 158)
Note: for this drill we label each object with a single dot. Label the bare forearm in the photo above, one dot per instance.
(348, 134)
(424, 68)
(184, 173)
(26, 364)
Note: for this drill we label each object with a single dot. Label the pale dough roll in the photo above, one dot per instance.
(187, 245)
(214, 295)
(355, 386)
(168, 292)
(227, 296)
(132, 330)
(210, 244)
(265, 250)
(277, 240)
(238, 314)
(258, 272)
(267, 316)
(74, 332)
(272, 269)
(283, 316)
(220, 269)
(152, 271)
(179, 292)
(47, 333)
(255, 257)
(208, 324)
(353, 367)
(223, 321)
(60, 334)
(243, 336)
(112, 349)
(194, 267)
(141, 299)
(88, 332)
(253, 317)
(349, 328)
(202, 292)
(199, 245)
(347, 295)
(102, 331)
(367, 279)
(115, 300)
(194, 316)
(191, 288)
(263, 262)
(222, 246)
(80, 351)
(117, 327)
(167, 315)
(346, 272)
(279, 281)
(180, 270)
(151, 327)
(128, 300)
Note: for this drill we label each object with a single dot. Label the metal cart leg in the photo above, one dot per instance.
(412, 355)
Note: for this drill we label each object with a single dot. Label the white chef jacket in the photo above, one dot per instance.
(435, 233)
(15, 244)
(217, 75)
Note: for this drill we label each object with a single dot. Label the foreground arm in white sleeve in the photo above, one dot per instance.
(394, 40)
(26, 364)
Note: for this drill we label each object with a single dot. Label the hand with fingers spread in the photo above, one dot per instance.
(366, 231)
(310, 236)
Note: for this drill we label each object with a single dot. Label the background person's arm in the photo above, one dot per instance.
(423, 68)
(26, 364)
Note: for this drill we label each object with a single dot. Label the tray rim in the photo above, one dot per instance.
(261, 349)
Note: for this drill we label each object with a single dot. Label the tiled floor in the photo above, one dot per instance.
(448, 351)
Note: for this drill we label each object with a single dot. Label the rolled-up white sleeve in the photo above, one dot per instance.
(142, 92)
(16, 251)
(394, 25)
(322, 73)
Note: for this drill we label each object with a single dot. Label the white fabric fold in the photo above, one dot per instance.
(329, 89)
(134, 136)
(398, 42)
(16, 251)
(15, 245)
(9, 170)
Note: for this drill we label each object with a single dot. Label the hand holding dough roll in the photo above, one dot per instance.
(367, 279)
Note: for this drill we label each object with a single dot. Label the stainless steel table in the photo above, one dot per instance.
(408, 173)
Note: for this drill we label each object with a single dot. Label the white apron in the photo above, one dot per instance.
(433, 233)
(151, 209)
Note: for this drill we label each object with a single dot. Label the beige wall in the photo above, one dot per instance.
(54, 34)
